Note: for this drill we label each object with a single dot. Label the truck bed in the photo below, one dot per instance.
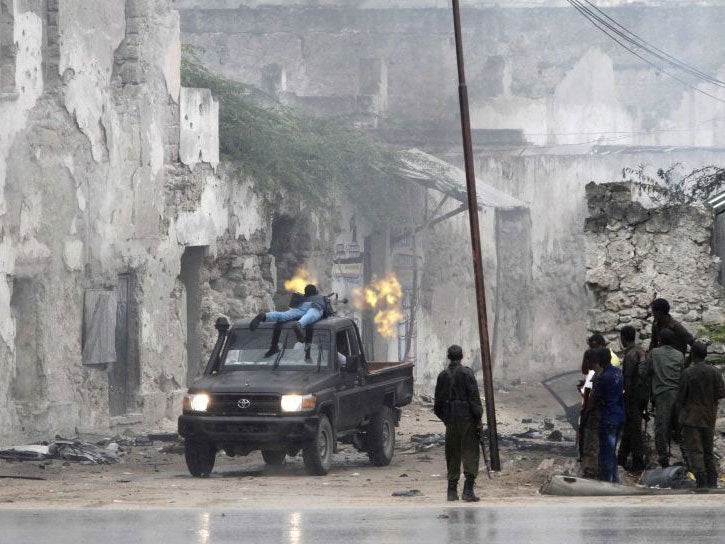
(387, 378)
(375, 368)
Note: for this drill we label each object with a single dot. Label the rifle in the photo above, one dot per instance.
(482, 442)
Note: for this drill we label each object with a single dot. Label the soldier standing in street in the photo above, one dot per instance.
(700, 390)
(458, 405)
(636, 395)
(663, 369)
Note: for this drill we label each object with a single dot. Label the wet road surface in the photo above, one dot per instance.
(555, 524)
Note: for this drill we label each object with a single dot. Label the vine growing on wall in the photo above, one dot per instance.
(313, 159)
(671, 186)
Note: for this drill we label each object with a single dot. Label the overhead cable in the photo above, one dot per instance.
(620, 39)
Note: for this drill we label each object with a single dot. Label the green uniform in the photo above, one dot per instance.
(663, 369)
(458, 405)
(701, 388)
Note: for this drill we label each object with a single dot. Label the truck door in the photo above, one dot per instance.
(351, 395)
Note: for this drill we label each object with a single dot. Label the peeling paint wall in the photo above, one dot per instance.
(95, 195)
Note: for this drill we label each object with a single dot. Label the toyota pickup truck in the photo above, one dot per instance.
(295, 400)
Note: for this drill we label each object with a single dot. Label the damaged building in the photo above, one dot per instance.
(550, 110)
(124, 233)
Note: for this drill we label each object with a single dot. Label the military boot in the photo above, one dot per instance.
(452, 490)
(468, 494)
(254, 324)
(298, 333)
(274, 347)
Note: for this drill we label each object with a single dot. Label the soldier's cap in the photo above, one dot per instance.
(455, 353)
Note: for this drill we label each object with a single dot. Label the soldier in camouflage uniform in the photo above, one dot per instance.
(458, 405)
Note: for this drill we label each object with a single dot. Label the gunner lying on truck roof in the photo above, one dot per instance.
(307, 310)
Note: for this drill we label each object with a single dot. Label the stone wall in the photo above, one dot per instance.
(635, 254)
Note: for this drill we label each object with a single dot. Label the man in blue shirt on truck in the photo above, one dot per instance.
(308, 310)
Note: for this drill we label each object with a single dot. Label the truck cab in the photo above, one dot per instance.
(294, 400)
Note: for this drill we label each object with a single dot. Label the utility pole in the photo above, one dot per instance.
(476, 245)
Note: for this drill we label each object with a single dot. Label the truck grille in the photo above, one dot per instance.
(237, 405)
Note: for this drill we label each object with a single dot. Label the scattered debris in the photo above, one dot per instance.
(32, 452)
(177, 448)
(546, 464)
(548, 424)
(428, 440)
(531, 433)
(67, 450)
(3, 476)
(82, 452)
(404, 475)
(408, 493)
(527, 420)
(555, 436)
(163, 437)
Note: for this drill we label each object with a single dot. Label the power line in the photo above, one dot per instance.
(604, 28)
(652, 49)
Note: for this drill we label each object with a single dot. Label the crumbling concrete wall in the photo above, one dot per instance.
(635, 254)
(94, 196)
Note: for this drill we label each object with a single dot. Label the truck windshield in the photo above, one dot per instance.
(246, 350)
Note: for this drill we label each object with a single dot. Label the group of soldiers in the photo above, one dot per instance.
(682, 390)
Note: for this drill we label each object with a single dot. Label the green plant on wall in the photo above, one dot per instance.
(671, 186)
(714, 332)
(313, 159)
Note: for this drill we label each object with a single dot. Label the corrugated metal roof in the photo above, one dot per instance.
(717, 201)
(434, 173)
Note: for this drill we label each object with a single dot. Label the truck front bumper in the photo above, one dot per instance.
(249, 431)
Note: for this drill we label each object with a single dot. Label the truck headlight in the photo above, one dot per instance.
(196, 402)
(298, 403)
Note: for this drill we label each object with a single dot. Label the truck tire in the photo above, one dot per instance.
(274, 458)
(317, 455)
(381, 438)
(200, 457)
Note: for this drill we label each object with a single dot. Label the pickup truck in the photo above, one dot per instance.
(294, 400)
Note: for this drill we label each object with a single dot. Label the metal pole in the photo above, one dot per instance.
(476, 245)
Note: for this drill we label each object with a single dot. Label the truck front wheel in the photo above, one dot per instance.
(273, 457)
(317, 455)
(381, 438)
(200, 457)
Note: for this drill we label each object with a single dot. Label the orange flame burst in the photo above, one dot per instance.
(383, 295)
(301, 279)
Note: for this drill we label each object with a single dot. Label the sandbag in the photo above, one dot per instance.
(569, 486)
(674, 477)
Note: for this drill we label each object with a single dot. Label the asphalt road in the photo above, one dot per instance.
(559, 524)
